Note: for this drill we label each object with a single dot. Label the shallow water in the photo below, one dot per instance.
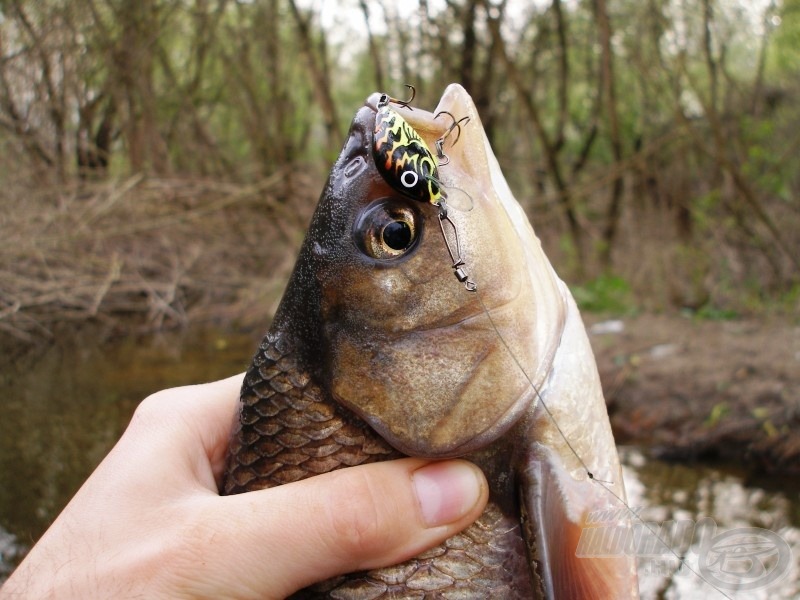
(62, 408)
(719, 502)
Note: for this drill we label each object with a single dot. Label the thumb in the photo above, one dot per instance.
(285, 538)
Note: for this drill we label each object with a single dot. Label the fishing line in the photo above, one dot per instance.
(603, 484)
(536, 391)
(391, 124)
(538, 394)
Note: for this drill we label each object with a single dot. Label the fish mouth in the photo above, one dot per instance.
(484, 438)
(423, 121)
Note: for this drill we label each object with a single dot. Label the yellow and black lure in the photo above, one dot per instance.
(402, 156)
(406, 162)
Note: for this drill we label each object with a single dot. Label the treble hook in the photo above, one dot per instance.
(386, 99)
(455, 256)
(443, 158)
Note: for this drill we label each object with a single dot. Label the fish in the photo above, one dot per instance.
(376, 352)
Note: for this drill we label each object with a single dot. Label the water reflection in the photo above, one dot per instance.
(10, 553)
(723, 501)
(61, 410)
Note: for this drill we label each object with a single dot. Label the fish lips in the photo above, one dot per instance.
(459, 446)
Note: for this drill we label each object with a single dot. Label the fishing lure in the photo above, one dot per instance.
(402, 156)
(406, 162)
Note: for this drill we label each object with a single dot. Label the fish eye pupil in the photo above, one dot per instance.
(397, 235)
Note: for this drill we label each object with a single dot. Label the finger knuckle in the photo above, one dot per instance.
(150, 409)
(153, 413)
(357, 518)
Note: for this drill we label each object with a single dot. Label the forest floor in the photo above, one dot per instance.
(696, 389)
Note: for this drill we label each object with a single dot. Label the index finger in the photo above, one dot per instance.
(205, 413)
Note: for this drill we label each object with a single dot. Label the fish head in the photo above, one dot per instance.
(384, 323)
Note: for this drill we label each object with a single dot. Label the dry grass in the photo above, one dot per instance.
(147, 253)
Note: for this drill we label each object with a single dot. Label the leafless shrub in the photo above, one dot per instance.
(146, 252)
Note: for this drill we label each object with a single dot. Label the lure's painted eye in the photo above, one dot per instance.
(409, 179)
(387, 229)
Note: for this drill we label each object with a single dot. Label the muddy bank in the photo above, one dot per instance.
(692, 390)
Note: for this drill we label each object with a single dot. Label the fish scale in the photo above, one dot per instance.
(485, 559)
(289, 430)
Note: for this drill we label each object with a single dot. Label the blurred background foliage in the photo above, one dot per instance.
(161, 157)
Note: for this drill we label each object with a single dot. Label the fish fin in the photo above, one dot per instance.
(557, 509)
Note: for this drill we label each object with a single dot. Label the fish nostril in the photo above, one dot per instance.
(354, 167)
(357, 141)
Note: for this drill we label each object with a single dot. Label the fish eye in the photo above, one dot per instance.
(387, 229)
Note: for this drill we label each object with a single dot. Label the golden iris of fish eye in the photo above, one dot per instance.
(387, 229)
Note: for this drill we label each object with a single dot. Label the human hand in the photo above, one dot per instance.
(149, 521)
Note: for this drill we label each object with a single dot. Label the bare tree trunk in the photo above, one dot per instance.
(54, 99)
(485, 97)
(404, 48)
(612, 116)
(711, 63)
(565, 198)
(563, 76)
(468, 46)
(720, 153)
(93, 139)
(15, 120)
(375, 55)
(756, 97)
(131, 62)
(320, 76)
